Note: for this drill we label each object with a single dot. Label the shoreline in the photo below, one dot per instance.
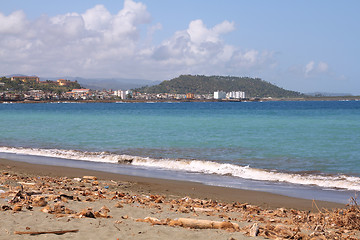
(177, 188)
(275, 99)
(329, 189)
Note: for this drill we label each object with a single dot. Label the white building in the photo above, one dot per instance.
(235, 95)
(128, 93)
(117, 93)
(219, 95)
(123, 94)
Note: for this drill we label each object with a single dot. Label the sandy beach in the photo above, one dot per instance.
(85, 204)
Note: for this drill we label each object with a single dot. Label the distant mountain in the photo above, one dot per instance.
(18, 75)
(113, 83)
(199, 84)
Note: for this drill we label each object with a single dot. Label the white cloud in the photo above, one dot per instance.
(200, 49)
(97, 18)
(194, 45)
(323, 67)
(311, 68)
(199, 33)
(98, 43)
(15, 23)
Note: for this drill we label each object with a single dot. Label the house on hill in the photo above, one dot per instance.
(63, 82)
(26, 78)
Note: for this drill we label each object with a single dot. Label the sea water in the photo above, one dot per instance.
(288, 147)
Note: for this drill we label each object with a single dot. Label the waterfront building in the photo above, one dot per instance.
(128, 94)
(79, 93)
(235, 95)
(219, 95)
(80, 90)
(117, 93)
(190, 96)
(123, 94)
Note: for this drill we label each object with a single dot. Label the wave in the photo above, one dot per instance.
(198, 166)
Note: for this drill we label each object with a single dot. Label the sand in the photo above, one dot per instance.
(131, 200)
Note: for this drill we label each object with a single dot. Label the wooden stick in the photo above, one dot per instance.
(47, 232)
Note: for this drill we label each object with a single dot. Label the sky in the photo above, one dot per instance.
(305, 46)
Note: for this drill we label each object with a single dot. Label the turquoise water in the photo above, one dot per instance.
(306, 138)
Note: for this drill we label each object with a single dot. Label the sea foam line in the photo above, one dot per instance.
(198, 166)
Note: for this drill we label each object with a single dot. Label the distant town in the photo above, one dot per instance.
(48, 90)
(184, 88)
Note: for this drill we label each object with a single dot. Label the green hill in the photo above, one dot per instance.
(198, 84)
(48, 86)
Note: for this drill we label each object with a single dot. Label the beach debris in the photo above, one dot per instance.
(39, 201)
(52, 195)
(66, 196)
(88, 213)
(103, 212)
(17, 208)
(6, 208)
(47, 232)
(203, 210)
(254, 230)
(19, 196)
(204, 224)
(47, 209)
(117, 222)
(90, 177)
(193, 223)
(104, 209)
(154, 221)
(118, 205)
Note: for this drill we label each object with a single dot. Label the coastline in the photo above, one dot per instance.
(173, 187)
(340, 98)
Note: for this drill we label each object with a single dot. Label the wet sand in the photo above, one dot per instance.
(173, 187)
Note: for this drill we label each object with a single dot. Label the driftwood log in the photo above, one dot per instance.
(47, 232)
(205, 224)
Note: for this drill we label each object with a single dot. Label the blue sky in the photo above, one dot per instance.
(306, 46)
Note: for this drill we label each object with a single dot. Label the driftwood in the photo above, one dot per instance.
(193, 223)
(47, 232)
(205, 224)
(90, 177)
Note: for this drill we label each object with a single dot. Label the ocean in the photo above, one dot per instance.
(308, 149)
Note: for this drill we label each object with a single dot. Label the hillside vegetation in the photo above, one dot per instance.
(47, 86)
(199, 84)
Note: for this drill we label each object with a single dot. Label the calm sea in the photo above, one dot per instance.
(284, 147)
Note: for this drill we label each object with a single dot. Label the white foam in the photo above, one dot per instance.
(198, 166)
(70, 154)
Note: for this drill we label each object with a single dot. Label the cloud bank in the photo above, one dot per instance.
(97, 43)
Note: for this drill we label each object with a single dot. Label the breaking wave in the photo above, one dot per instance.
(197, 166)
